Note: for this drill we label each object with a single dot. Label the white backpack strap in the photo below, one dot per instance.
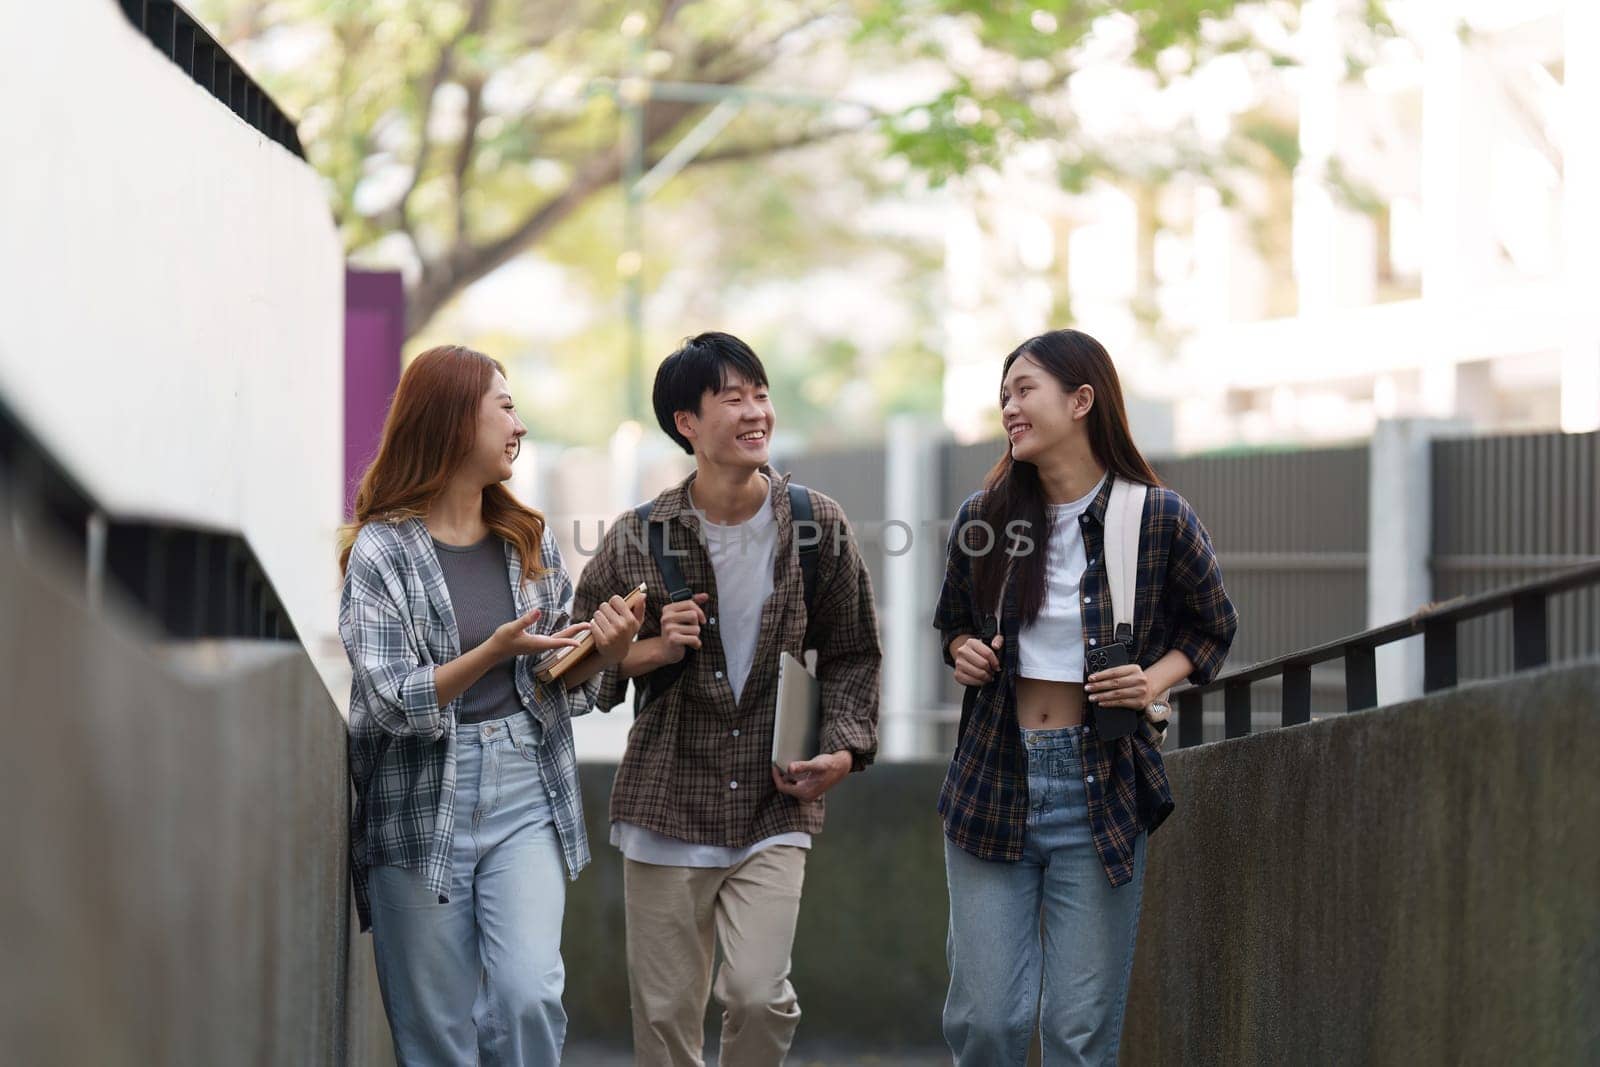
(1124, 519)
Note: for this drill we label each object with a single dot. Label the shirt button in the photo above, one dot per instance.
(1088, 600)
(1089, 779)
(736, 733)
(733, 785)
(1092, 641)
(719, 674)
(712, 621)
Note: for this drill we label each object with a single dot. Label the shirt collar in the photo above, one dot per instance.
(675, 503)
(1097, 507)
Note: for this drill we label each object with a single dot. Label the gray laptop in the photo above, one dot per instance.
(795, 735)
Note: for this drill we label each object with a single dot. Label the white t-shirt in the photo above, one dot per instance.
(742, 558)
(1052, 647)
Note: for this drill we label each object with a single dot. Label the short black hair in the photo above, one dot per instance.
(701, 365)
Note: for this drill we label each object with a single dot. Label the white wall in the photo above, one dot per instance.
(171, 297)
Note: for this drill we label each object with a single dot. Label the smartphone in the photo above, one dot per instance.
(1110, 723)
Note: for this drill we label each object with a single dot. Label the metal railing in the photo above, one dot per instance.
(1530, 648)
(192, 582)
(180, 37)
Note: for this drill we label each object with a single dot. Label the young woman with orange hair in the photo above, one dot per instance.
(467, 810)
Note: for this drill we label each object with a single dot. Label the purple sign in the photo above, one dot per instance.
(374, 330)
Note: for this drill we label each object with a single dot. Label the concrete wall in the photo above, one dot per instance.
(869, 952)
(177, 884)
(1419, 884)
(1415, 883)
(171, 297)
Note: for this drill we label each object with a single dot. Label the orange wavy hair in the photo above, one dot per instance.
(430, 430)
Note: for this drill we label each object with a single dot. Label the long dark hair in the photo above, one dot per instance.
(1013, 491)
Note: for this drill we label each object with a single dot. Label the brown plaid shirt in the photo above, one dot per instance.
(697, 763)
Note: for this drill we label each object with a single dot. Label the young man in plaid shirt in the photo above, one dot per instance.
(714, 837)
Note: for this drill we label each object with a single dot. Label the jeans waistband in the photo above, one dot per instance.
(521, 728)
(1064, 737)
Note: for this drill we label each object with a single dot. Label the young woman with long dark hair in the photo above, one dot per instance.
(1045, 819)
(467, 818)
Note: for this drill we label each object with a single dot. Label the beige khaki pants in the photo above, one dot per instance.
(676, 915)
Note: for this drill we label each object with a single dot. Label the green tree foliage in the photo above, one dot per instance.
(455, 135)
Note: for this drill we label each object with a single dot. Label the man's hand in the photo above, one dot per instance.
(680, 627)
(976, 663)
(809, 779)
(614, 626)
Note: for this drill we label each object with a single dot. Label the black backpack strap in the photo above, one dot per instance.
(675, 588)
(800, 511)
(671, 575)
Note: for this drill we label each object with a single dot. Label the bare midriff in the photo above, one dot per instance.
(1047, 705)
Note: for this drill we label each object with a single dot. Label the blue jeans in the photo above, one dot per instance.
(479, 979)
(1046, 935)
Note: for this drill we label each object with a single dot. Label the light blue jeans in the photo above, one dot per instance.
(478, 980)
(1046, 937)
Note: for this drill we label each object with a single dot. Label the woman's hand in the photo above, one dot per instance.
(977, 663)
(1121, 687)
(513, 638)
(615, 625)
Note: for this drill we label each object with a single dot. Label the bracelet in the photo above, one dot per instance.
(1161, 725)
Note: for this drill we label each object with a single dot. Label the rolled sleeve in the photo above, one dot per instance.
(599, 582)
(1204, 618)
(397, 687)
(844, 633)
(579, 699)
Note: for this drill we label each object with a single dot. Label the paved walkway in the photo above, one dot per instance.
(588, 1054)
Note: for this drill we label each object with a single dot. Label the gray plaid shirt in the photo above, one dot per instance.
(397, 624)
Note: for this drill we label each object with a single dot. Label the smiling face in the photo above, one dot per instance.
(1039, 413)
(734, 425)
(499, 436)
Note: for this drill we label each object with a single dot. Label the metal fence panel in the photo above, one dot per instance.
(856, 479)
(1291, 531)
(1508, 509)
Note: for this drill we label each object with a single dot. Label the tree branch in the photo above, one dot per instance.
(436, 82)
(466, 263)
(464, 153)
(771, 148)
(669, 9)
(755, 56)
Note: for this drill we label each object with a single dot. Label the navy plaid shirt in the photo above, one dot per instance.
(1179, 603)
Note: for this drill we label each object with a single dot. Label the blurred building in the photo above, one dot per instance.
(174, 309)
(1429, 243)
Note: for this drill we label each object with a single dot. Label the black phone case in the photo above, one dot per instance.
(1110, 723)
